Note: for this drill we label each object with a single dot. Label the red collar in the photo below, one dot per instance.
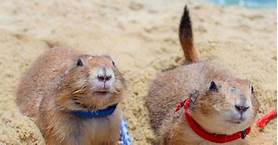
(216, 138)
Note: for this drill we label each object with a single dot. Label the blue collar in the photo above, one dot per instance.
(96, 114)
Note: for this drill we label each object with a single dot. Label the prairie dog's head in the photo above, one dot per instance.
(226, 107)
(93, 83)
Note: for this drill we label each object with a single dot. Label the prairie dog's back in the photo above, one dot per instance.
(171, 87)
(42, 78)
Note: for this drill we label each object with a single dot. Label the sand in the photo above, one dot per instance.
(141, 36)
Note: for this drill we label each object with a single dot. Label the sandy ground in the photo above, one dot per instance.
(141, 36)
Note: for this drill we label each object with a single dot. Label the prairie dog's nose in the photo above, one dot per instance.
(105, 74)
(241, 109)
(242, 104)
(104, 78)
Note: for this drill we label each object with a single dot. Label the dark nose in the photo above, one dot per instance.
(104, 78)
(241, 109)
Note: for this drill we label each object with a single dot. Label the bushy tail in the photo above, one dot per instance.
(186, 38)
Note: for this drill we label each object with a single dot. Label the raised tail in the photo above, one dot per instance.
(186, 38)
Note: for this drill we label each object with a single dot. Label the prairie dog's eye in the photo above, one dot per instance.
(213, 87)
(113, 63)
(79, 62)
(252, 90)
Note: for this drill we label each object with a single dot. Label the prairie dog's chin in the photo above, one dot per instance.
(234, 122)
(223, 122)
(233, 116)
(236, 118)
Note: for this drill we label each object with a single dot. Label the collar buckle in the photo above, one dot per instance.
(243, 134)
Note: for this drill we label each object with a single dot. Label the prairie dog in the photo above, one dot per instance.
(222, 103)
(61, 86)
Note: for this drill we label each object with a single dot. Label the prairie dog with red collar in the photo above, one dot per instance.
(221, 104)
(62, 92)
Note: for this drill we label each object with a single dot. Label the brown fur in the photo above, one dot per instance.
(186, 38)
(211, 109)
(55, 85)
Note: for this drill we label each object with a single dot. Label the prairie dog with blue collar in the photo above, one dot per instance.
(73, 98)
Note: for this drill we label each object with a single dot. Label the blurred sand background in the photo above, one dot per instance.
(141, 36)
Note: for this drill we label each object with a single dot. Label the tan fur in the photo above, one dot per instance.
(212, 109)
(55, 85)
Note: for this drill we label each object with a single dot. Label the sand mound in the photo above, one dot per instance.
(141, 36)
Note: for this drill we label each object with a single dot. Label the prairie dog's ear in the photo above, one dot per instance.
(79, 62)
(213, 87)
(252, 89)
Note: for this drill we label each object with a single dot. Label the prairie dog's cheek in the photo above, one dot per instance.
(80, 82)
(222, 107)
(93, 78)
(246, 115)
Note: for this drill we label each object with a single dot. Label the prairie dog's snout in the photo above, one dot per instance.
(241, 105)
(105, 78)
(242, 108)
(102, 75)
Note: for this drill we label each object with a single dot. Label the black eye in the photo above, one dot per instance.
(79, 62)
(252, 90)
(113, 63)
(213, 87)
